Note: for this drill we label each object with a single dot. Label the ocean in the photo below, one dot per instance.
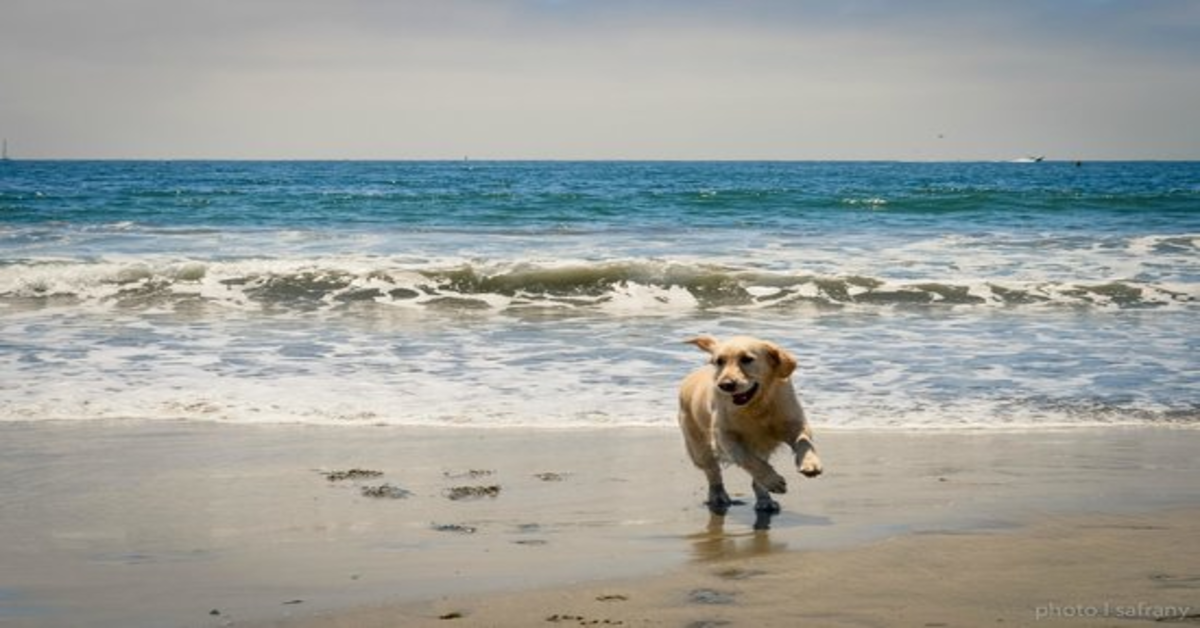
(558, 294)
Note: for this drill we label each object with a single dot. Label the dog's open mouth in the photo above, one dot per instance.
(743, 398)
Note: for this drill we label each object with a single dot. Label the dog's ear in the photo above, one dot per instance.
(705, 342)
(783, 361)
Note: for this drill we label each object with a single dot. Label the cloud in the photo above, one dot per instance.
(600, 79)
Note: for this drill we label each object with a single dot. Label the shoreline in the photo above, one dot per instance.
(161, 524)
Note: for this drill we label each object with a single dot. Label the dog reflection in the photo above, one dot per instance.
(714, 543)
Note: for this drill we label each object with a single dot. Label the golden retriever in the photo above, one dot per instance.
(740, 408)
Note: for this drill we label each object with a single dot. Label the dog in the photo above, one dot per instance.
(741, 408)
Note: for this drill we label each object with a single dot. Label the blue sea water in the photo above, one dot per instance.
(557, 294)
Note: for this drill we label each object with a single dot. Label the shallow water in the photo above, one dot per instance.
(557, 294)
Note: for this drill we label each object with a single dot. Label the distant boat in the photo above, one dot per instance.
(4, 156)
(1030, 159)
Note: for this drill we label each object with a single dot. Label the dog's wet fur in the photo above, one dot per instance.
(740, 408)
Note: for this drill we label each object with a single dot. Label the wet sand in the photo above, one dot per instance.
(187, 524)
(1128, 570)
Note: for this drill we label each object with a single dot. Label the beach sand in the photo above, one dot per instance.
(1075, 571)
(192, 524)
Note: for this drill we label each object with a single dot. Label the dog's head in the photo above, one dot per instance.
(745, 367)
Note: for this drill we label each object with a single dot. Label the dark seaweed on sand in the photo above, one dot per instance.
(458, 493)
(385, 491)
(352, 474)
(457, 528)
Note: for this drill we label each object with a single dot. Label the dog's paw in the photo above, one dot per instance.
(718, 500)
(774, 483)
(810, 465)
(767, 505)
(718, 509)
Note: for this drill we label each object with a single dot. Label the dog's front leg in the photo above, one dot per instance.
(763, 473)
(807, 461)
(718, 499)
(703, 452)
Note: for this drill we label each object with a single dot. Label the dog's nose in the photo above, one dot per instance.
(727, 386)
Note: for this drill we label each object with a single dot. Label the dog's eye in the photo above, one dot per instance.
(719, 361)
(746, 359)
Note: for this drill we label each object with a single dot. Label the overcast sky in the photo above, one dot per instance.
(601, 79)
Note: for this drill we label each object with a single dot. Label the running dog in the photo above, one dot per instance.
(740, 408)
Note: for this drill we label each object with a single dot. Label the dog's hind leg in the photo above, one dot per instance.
(763, 473)
(763, 501)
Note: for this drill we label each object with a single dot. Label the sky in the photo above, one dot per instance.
(601, 79)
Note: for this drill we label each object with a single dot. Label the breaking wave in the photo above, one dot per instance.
(627, 287)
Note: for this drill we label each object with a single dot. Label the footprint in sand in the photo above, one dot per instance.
(711, 597)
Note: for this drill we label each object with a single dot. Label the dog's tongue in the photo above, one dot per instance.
(742, 399)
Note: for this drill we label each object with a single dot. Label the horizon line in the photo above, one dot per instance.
(1014, 160)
